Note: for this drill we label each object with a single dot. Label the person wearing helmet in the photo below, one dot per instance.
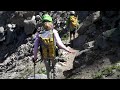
(11, 34)
(38, 23)
(37, 17)
(48, 26)
(72, 24)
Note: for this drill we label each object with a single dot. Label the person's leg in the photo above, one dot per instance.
(56, 52)
(53, 69)
(47, 65)
(71, 35)
(74, 34)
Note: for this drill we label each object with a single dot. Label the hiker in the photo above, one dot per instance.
(47, 46)
(11, 34)
(72, 24)
(38, 23)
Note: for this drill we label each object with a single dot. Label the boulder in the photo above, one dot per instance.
(29, 26)
(79, 42)
(2, 34)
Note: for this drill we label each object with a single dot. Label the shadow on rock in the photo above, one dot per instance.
(8, 49)
(78, 42)
(68, 73)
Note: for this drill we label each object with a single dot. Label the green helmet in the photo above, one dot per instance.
(46, 17)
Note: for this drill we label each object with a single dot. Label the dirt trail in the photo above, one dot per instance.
(84, 72)
(63, 67)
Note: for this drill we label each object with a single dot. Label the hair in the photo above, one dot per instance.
(48, 25)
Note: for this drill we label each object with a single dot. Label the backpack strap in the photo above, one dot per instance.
(53, 41)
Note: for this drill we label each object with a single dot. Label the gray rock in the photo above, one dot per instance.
(38, 76)
(101, 43)
(89, 20)
(89, 44)
(19, 68)
(43, 69)
(91, 29)
(18, 18)
(29, 26)
(96, 15)
(118, 52)
(21, 56)
(80, 58)
(79, 42)
(110, 13)
(83, 15)
(2, 34)
(107, 38)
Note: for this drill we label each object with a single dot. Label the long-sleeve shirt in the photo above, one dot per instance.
(57, 39)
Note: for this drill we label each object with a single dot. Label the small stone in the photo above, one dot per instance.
(38, 76)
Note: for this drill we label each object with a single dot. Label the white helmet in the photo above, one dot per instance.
(72, 12)
(9, 25)
(37, 17)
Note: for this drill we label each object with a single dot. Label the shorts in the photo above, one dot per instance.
(73, 31)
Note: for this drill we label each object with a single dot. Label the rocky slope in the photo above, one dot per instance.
(16, 41)
(99, 47)
(96, 45)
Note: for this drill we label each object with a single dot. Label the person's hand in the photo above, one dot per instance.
(34, 59)
(72, 51)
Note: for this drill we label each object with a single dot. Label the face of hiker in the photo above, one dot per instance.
(48, 25)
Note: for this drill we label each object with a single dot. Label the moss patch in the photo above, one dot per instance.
(106, 72)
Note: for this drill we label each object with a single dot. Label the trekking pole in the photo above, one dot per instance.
(49, 71)
(34, 69)
(53, 66)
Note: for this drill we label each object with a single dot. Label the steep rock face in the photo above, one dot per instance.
(29, 26)
(95, 29)
(105, 34)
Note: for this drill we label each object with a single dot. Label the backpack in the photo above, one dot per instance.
(74, 21)
(47, 44)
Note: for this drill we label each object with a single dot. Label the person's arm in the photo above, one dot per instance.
(59, 42)
(36, 43)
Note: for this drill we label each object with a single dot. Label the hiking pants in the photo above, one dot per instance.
(50, 68)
